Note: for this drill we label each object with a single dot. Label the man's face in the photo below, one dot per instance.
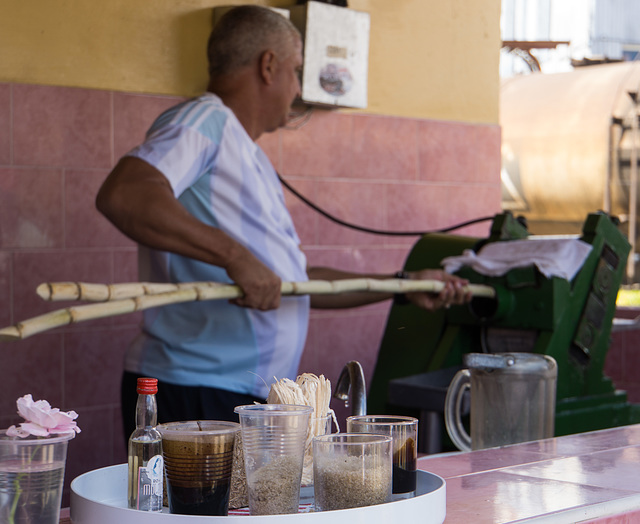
(287, 84)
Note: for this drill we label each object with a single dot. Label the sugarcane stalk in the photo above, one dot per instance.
(195, 291)
(56, 291)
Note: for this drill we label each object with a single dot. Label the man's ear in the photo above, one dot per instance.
(267, 64)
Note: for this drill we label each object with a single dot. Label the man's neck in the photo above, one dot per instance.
(244, 106)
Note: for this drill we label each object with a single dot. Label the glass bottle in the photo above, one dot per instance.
(145, 451)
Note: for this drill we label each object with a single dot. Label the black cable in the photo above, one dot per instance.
(377, 231)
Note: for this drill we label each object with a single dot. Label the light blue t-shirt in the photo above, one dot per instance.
(224, 179)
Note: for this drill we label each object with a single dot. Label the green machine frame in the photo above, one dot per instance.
(570, 321)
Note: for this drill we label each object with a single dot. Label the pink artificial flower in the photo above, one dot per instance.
(42, 420)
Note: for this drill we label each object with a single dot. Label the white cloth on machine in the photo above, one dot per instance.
(553, 257)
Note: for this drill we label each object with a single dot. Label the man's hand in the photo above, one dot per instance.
(452, 294)
(260, 285)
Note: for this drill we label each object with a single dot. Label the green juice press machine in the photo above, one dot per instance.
(569, 321)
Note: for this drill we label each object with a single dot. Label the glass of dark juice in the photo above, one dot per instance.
(198, 460)
(404, 431)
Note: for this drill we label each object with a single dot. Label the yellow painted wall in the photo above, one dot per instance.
(428, 58)
(434, 59)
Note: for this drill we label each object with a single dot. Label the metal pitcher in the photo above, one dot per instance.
(513, 398)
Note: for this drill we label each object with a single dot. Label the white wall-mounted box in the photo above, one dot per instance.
(336, 54)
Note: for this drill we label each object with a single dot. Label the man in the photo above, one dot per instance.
(204, 203)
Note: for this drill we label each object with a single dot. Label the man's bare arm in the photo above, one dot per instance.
(139, 201)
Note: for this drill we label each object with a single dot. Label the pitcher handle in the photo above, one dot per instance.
(452, 410)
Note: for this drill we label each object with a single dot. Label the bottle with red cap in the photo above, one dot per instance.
(146, 466)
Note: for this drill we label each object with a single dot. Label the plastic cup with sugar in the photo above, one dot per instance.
(273, 438)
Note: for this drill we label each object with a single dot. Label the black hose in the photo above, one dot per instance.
(377, 231)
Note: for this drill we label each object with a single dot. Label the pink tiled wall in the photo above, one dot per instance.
(623, 358)
(57, 145)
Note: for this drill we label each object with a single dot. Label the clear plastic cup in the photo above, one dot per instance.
(318, 426)
(273, 440)
(404, 431)
(198, 459)
(31, 477)
(321, 425)
(351, 470)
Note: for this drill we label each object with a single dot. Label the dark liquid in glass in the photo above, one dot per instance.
(199, 500)
(404, 468)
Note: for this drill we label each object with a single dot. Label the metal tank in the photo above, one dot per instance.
(567, 141)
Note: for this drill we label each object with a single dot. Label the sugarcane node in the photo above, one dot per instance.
(10, 334)
(44, 291)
